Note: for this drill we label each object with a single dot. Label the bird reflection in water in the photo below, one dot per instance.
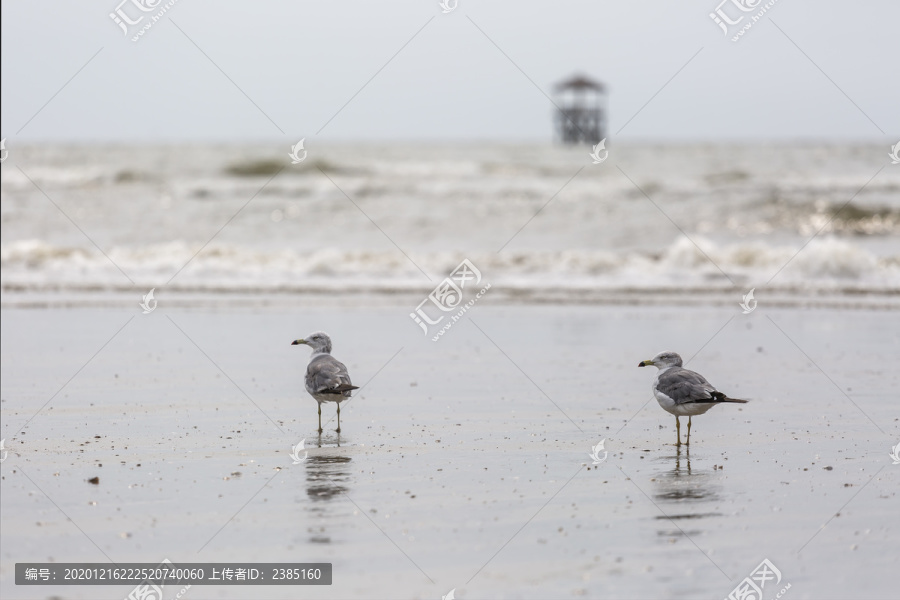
(326, 478)
(682, 494)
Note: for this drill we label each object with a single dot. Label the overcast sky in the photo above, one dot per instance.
(369, 70)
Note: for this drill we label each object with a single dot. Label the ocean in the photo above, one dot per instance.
(695, 222)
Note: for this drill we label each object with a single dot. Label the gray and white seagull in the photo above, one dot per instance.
(327, 379)
(682, 392)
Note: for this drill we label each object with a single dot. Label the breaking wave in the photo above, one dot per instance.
(825, 263)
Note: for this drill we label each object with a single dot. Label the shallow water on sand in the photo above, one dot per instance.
(463, 463)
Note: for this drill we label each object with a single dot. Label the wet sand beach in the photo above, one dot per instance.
(463, 464)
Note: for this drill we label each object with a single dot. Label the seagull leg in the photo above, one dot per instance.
(689, 432)
(320, 417)
(339, 418)
(678, 430)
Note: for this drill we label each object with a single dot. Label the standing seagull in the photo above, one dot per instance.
(682, 392)
(327, 379)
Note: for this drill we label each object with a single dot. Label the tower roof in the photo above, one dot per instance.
(580, 82)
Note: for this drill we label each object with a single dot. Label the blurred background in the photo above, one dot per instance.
(148, 145)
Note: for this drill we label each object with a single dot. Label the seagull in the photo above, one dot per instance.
(327, 379)
(682, 392)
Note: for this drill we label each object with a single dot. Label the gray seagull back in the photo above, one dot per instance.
(327, 375)
(683, 386)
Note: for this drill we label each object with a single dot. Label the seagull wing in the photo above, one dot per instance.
(685, 386)
(327, 375)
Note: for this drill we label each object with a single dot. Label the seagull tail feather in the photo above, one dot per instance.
(720, 397)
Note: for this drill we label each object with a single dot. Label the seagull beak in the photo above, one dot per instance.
(645, 363)
(296, 342)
